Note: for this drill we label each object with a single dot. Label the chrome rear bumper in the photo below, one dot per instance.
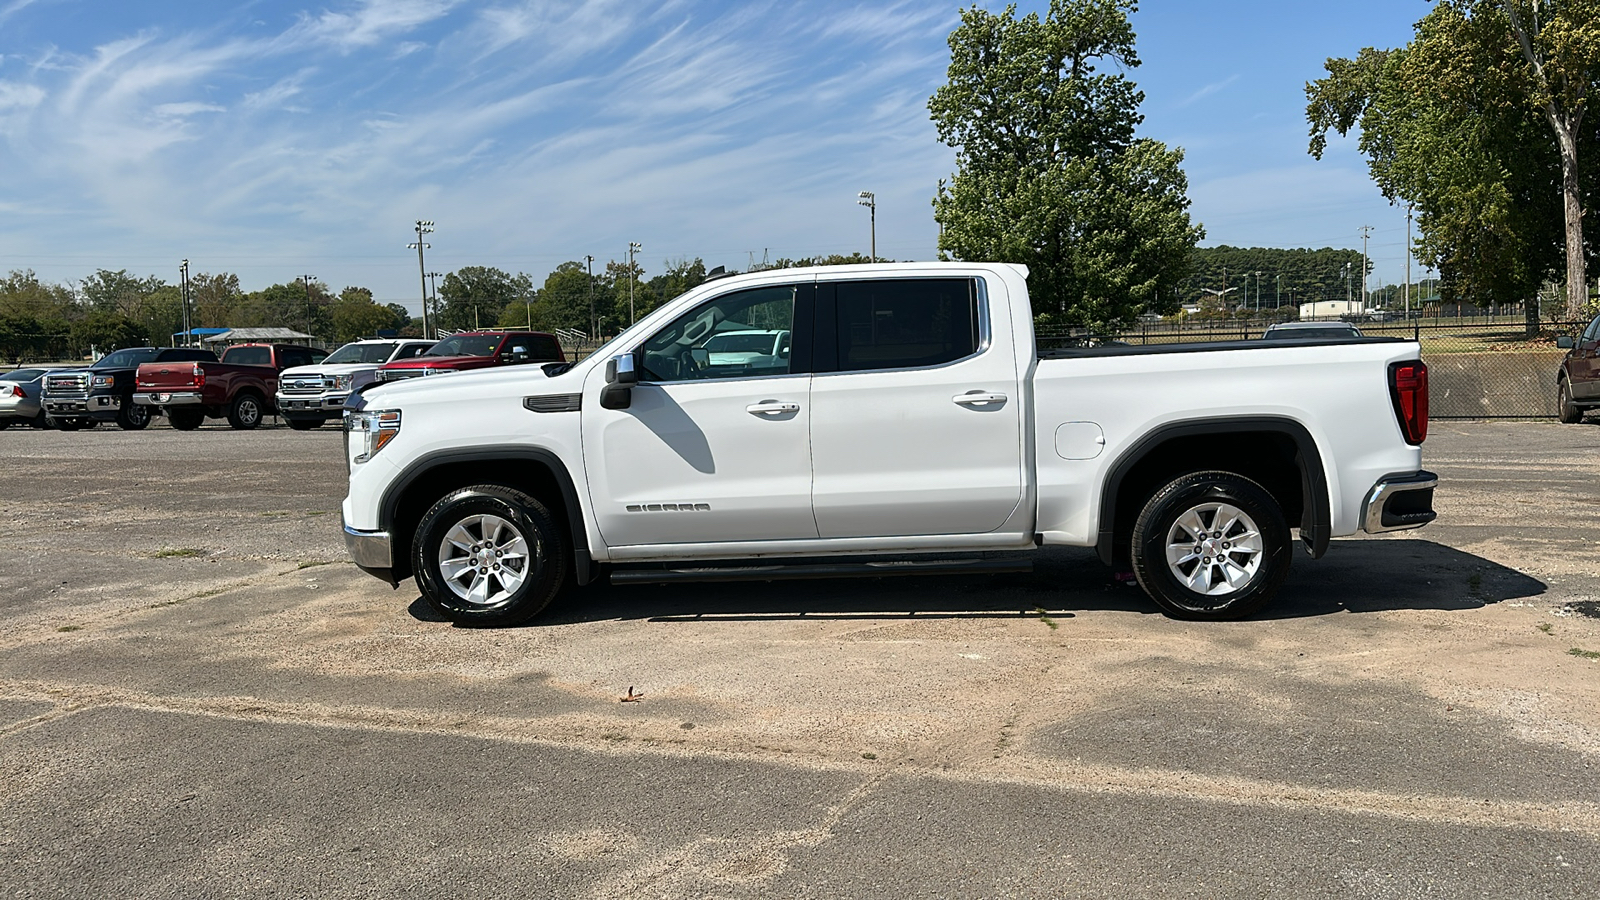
(1399, 502)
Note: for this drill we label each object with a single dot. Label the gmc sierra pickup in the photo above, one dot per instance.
(908, 415)
(104, 391)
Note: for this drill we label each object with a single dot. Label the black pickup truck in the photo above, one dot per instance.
(84, 398)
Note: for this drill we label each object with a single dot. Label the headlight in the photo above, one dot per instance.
(342, 382)
(370, 430)
(105, 380)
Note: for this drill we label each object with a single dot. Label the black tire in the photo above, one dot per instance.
(304, 424)
(1261, 568)
(40, 421)
(1567, 411)
(5, 422)
(132, 416)
(67, 424)
(246, 411)
(185, 419)
(543, 573)
(87, 423)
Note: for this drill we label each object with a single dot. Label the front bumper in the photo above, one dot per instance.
(184, 398)
(66, 406)
(371, 552)
(301, 406)
(1399, 502)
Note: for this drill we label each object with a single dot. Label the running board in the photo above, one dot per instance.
(823, 570)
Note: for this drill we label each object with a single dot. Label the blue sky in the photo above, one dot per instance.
(278, 139)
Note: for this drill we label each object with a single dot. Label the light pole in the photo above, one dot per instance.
(183, 291)
(633, 247)
(306, 280)
(594, 323)
(424, 226)
(870, 201)
(434, 297)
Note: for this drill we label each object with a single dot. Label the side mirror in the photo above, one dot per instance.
(1565, 342)
(519, 354)
(621, 376)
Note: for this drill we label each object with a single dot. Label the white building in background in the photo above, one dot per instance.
(1329, 309)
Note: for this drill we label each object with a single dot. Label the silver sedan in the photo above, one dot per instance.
(19, 397)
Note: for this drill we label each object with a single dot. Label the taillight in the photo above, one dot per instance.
(199, 376)
(1408, 386)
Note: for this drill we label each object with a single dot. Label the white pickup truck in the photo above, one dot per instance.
(908, 426)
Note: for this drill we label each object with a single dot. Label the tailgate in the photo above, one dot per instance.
(169, 376)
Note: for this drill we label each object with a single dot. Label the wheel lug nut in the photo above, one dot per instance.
(1206, 560)
(1224, 545)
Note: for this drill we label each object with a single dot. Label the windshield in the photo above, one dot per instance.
(361, 353)
(741, 342)
(248, 356)
(21, 375)
(466, 345)
(126, 359)
(1326, 331)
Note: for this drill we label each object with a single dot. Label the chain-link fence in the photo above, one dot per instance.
(1485, 367)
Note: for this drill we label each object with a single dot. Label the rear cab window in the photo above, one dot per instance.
(896, 324)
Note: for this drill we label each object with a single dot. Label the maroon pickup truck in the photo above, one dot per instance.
(240, 387)
(477, 350)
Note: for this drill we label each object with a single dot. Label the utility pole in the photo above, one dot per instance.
(1278, 303)
(183, 291)
(1409, 208)
(1258, 292)
(435, 298)
(1366, 232)
(870, 201)
(633, 247)
(306, 280)
(424, 226)
(594, 323)
(1346, 273)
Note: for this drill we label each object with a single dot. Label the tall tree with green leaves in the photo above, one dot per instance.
(1049, 170)
(1479, 123)
(473, 296)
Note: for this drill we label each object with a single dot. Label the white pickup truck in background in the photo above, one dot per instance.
(905, 424)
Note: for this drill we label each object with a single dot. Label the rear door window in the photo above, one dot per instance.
(896, 324)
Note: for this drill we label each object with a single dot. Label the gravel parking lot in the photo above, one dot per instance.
(200, 697)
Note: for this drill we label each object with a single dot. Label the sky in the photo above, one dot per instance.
(277, 140)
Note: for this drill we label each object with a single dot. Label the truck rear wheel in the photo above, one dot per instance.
(132, 417)
(245, 412)
(185, 419)
(489, 555)
(1211, 545)
(1567, 411)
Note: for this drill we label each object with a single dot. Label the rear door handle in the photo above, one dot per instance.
(979, 398)
(771, 407)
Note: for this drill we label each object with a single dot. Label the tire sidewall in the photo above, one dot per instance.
(1566, 410)
(547, 552)
(1163, 510)
(246, 413)
(133, 417)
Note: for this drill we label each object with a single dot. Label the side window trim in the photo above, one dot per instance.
(826, 351)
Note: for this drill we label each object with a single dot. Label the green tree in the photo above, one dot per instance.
(474, 296)
(118, 291)
(214, 300)
(106, 330)
(354, 315)
(1049, 172)
(681, 275)
(1478, 122)
(566, 294)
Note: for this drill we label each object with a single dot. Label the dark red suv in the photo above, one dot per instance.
(476, 350)
(1578, 382)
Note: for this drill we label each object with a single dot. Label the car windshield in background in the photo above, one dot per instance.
(248, 356)
(466, 345)
(126, 359)
(21, 375)
(748, 342)
(360, 353)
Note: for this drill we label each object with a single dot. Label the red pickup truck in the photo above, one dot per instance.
(477, 350)
(240, 387)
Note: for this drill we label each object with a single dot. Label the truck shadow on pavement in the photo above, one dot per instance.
(1356, 576)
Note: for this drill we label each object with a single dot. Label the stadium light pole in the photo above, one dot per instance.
(183, 291)
(594, 323)
(870, 201)
(633, 247)
(306, 280)
(434, 296)
(424, 226)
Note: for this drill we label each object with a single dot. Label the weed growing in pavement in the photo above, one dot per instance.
(313, 565)
(179, 553)
(1545, 627)
(1584, 654)
(70, 628)
(1045, 618)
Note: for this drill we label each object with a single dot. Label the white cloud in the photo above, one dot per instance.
(180, 110)
(14, 96)
(1208, 90)
(374, 21)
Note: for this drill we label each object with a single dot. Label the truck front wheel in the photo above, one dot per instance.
(132, 417)
(489, 555)
(1211, 545)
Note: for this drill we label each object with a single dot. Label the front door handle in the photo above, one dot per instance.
(771, 408)
(979, 398)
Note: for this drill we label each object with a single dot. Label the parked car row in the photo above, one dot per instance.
(248, 382)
